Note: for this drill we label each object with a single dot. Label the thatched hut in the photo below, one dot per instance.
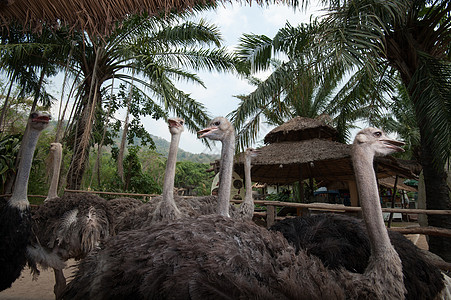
(304, 148)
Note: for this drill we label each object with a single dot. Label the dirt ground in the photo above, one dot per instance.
(42, 288)
(25, 288)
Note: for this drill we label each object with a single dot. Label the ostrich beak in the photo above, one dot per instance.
(41, 119)
(206, 131)
(173, 123)
(394, 144)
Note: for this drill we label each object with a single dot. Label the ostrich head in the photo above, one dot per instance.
(39, 120)
(55, 147)
(175, 125)
(218, 129)
(251, 152)
(376, 141)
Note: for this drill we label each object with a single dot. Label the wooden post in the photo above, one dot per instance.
(393, 198)
(270, 215)
(354, 195)
(301, 186)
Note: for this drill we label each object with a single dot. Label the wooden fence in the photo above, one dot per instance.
(270, 214)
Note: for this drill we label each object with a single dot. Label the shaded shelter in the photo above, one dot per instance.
(304, 148)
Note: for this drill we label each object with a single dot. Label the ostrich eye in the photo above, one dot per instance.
(216, 123)
(378, 134)
(181, 122)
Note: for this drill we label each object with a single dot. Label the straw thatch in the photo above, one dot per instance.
(96, 17)
(299, 129)
(305, 148)
(288, 162)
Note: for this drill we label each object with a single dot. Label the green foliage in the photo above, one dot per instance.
(190, 174)
(9, 147)
(297, 87)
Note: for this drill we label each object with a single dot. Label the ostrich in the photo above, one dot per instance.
(342, 241)
(222, 130)
(166, 206)
(215, 256)
(56, 152)
(246, 210)
(67, 227)
(15, 215)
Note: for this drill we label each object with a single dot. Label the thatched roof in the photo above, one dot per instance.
(95, 16)
(301, 128)
(288, 162)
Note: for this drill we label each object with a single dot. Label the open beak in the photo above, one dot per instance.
(41, 119)
(173, 123)
(394, 144)
(206, 131)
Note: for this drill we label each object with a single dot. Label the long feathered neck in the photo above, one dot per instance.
(225, 174)
(169, 175)
(248, 181)
(53, 190)
(19, 197)
(369, 200)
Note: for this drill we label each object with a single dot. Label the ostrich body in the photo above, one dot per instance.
(120, 207)
(218, 257)
(15, 215)
(246, 210)
(341, 241)
(67, 227)
(56, 152)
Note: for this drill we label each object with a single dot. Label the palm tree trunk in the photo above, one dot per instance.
(39, 87)
(120, 157)
(437, 197)
(82, 138)
(5, 106)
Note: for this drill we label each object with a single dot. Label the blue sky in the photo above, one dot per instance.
(233, 20)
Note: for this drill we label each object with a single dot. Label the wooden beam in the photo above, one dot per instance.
(429, 230)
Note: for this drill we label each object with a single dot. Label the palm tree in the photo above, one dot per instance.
(26, 65)
(160, 50)
(410, 38)
(297, 88)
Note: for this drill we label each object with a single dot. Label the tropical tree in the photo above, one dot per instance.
(297, 88)
(160, 51)
(27, 59)
(411, 38)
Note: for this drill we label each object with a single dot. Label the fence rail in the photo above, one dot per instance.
(271, 210)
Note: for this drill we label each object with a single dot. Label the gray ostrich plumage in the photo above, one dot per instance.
(66, 227)
(120, 207)
(218, 257)
(15, 214)
(341, 241)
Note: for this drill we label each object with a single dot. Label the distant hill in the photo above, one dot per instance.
(162, 147)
